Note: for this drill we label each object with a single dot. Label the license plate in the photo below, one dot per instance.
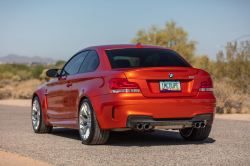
(170, 86)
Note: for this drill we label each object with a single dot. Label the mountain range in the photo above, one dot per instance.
(12, 58)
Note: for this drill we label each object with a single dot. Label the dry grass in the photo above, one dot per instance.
(23, 90)
(230, 100)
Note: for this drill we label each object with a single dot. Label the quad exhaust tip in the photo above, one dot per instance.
(146, 126)
(203, 125)
(198, 125)
(139, 126)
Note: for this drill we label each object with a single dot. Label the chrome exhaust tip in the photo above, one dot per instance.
(202, 124)
(139, 126)
(197, 125)
(146, 126)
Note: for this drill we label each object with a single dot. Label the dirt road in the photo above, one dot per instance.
(228, 144)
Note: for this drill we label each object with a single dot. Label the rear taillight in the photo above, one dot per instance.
(207, 85)
(119, 85)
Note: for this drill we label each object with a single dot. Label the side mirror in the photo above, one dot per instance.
(52, 72)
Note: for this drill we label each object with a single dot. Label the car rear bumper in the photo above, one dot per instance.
(135, 119)
(116, 110)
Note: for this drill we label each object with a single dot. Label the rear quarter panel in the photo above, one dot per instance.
(91, 84)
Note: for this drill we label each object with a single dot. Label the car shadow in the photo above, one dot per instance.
(132, 138)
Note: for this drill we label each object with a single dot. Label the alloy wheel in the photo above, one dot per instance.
(35, 114)
(85, 121)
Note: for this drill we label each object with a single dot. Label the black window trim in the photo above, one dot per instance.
(82, 61)
(86, 57)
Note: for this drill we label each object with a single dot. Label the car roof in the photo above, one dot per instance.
(121, 46)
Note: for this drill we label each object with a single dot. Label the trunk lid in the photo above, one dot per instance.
(148, 80)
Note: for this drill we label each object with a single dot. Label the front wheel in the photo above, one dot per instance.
(37, 118)
(193, 134)
(89, 129)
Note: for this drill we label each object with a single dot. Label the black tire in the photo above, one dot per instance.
(96, 135)
(193, 134)
(42, 127)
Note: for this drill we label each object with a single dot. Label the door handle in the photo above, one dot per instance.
(69, 84)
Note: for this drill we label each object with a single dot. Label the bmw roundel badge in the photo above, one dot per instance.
(171, 75)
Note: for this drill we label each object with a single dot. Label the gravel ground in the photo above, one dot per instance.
(13, 159)
(228, 144)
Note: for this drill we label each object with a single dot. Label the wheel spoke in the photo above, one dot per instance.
(37, 106)
(85, 109)
(34, 106)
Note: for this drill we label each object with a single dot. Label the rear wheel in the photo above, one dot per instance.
(193, 134)
(89, 129)
(37, 119)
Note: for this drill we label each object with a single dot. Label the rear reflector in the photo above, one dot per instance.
(122, 85)
(206, 89)
(207, 85)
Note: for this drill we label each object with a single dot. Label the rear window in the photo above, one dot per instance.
(144, 57)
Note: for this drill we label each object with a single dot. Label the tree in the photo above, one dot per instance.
(235, 65)
(203, 62)
(171, 36)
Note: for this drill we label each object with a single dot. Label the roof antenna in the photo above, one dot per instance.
(139, 45)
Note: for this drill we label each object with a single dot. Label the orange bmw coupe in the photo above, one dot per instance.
(125, 87)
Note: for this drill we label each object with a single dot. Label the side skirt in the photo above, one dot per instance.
(67, 123)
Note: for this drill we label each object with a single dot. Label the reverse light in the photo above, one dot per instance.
(121, 85)
(207, 85)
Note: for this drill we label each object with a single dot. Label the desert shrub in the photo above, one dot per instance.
(37, 70)
(8, 75)
(1, 76)
(230, 99)
(32, 84)
(5, 93)
(16, 79)
(43, 77)
(24, 75)
(13, 68)
(24, 94)
(5, 82)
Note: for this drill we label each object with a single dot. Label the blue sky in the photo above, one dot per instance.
(59, 28)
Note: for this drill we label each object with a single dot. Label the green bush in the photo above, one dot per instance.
(8, 75)
(37, 70)
(13, 68)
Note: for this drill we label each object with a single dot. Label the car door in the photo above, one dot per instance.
(59, 97)
(84, 79)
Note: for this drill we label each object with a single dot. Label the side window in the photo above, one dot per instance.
(90, 63)
(72, 67)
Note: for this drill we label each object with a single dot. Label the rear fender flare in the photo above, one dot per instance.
(81, 98)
